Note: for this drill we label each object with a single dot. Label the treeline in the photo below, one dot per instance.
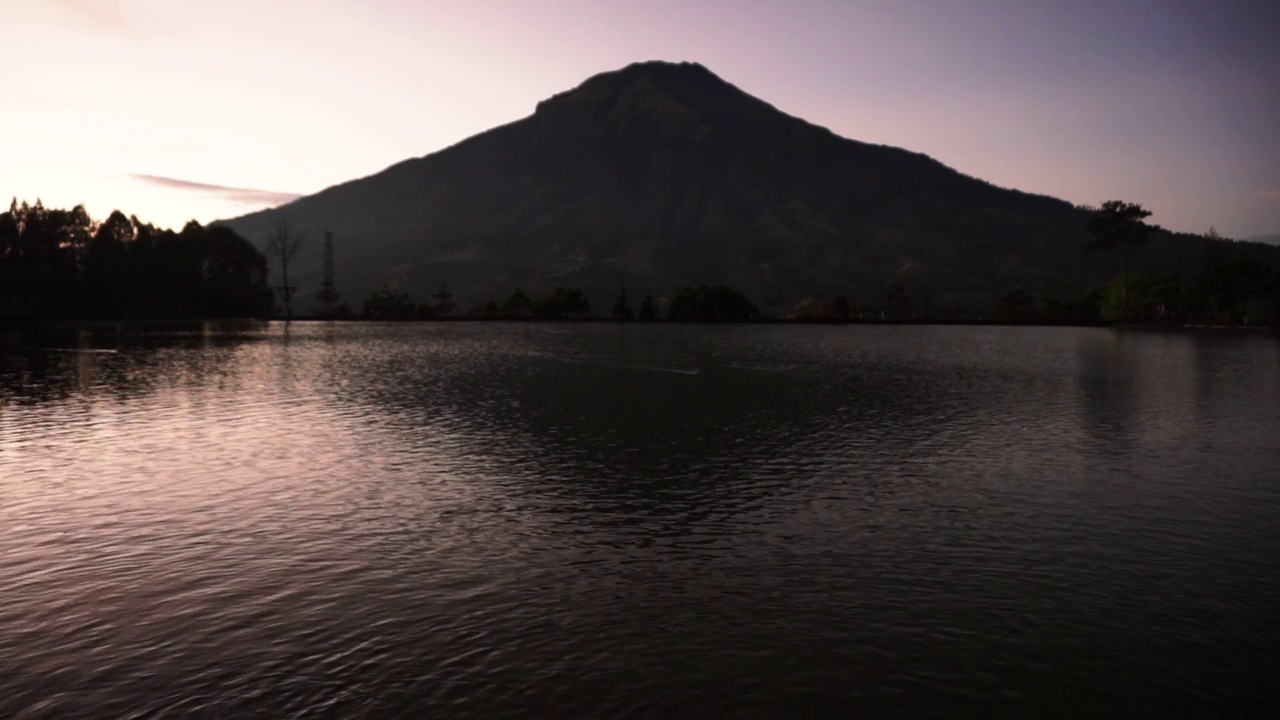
(1230, 287)
(1228, 290)
(705, 303)
(1233, 285)
(61, 264)
(691, 304)
(1236, 291)
(390, 304)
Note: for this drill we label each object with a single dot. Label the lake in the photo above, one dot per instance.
(586, 520)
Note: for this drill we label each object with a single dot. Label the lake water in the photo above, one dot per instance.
(427, 520)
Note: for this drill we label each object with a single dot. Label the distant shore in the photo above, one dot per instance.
(248, 323)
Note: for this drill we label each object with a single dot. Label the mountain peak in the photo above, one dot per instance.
(685, 69)
(656, 71)
(659, 175)
(648, 78)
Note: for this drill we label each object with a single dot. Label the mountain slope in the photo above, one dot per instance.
(660, 175)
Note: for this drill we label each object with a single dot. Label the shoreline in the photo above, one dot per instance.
(196, 324)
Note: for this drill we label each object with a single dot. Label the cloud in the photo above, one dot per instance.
(102, 15)
(1270, 194)
(243, 196)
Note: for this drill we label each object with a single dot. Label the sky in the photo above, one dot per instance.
(204, 110)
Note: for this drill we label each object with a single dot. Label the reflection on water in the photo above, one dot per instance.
(391, 520)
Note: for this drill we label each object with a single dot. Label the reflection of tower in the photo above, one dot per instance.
(328, 292)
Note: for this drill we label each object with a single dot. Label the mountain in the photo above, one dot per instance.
(661, 175)
(1267, 239)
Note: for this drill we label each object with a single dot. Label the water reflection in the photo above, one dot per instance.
(55, 364)
(392, 520)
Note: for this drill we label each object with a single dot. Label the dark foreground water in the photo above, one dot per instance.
(486, 519)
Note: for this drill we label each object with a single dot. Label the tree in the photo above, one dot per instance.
(103, 277)
(59, 263)
(389, 304)
(518, 304)
(897, 300)
(1232, 277)
(44, 257)
(648, 309)
(1119, 225)
(564, 302)
(1155, 296)
(1015, 305)
(807, 309)
(1274, 310)
(713, 304)
(283, 244)
(836, 308)
(622, 308)
(442, 301)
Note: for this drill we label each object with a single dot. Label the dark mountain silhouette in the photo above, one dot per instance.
(1268, 239)
(661, 175)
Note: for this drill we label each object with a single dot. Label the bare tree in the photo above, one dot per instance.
(283, 244)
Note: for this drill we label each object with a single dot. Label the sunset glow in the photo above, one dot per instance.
(207, 110)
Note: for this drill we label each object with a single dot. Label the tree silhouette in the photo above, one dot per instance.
(1118, 225)
(283, 244)
(648, 309)
(389, 304)
(622, 308)
(836, 308)
(60, 264)
(442, 301)
(518, 304)
(438, 305)
(713, 304)
(105, 272)
(897, 300)
(1015, 305)
(564, 302)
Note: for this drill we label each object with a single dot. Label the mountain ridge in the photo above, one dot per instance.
(660, 175)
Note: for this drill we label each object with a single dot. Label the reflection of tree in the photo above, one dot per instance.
(43, 366)
(1106, 384)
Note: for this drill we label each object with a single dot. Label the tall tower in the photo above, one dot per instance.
(328, 294)
(328, 259)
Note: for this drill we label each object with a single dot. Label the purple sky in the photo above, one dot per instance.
(205, 110)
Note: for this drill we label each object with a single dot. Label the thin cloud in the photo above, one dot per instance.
(243, 196)
(104, 16)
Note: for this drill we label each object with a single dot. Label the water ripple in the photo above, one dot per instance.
(492, 520)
